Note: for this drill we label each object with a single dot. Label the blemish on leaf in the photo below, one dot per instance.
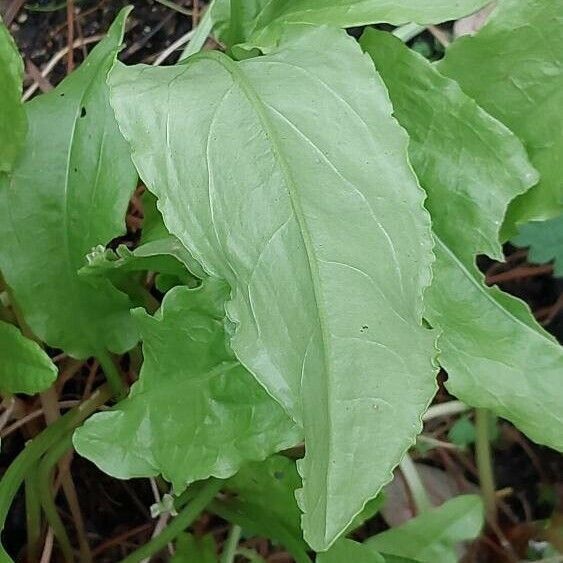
(83, 112)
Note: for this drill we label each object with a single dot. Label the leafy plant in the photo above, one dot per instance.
(545, 242)
(12, 113)
(314, 209)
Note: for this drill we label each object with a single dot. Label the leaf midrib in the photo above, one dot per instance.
(238, 76)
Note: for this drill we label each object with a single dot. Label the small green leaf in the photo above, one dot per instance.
(195, 411)
(327, 259)
(190, 549)
(166, 256)
(13, 124)
(434, 535)
(24, 367)
(545, 240)
(351, 551)
(512, 68)
(496, 355)
(462, 433)
(263, 21)
(270, 487)
(68, 193)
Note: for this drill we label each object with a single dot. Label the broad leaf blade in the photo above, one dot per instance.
(495, 353)
(512, 67)
(348, 550)
(24, 368)
(545, 240)
(13, 125)
(264, 20)
(316, 221)
(68, 193)
(434, 535)
(195, 411)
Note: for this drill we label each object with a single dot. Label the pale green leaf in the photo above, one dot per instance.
(471, 166)
(287, 176)
(13, 124)
(164, 256)
(512, 68)
(195, 411)
(263, 21)
(545, 242)
(433, 536)
(351, 551)
(68, 193)
(24, 366)
(190, 549)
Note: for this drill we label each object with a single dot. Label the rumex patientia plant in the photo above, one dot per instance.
(314, 208)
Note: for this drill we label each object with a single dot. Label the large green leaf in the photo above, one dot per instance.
(262, 21)
(287, 176)
(512, 67)
(348, 550)
(433, 536)
(12, 114)
(195, 411)
(67, 194)
(545, 240)
(24, 366)
(495, 353)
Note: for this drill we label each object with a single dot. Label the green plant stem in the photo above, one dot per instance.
(235, 513)
(112, 374)
(48, 498)
(175, 7)
(408, 31)
(29, 457)
(484, 463)
(415, 486)
(178, 525)
(32, 516)
(230, 549)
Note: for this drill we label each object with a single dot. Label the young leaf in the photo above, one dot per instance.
(263, 20)
(512, 67)
(545, 240)
(195, 411)
(68, 193)
(24, 368)
(432, 536)
(13, 124)
(348, 550)
(495, 353)
(315, 219)
(164, 256)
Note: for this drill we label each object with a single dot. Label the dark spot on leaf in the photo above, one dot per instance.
(364, 328)
(278, 475)
(62, 94)
(83, 111)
